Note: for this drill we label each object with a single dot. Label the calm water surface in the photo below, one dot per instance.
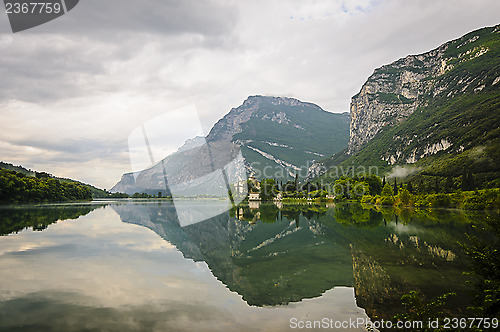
(122, 266)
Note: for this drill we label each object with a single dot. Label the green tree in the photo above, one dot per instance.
(485, 257)
(387, 190)
(410, 187)
(416, 309)
(252, 188)
(448, 185)
(268, 190)
(404, 196)
(342, 187)
(437, 187)
(359, 189)
(375, 184)
(18, 187)
(468, 181)
(395, 189)
(421, 187)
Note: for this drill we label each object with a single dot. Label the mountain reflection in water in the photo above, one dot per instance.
(275, 261)
(270, 262)
(276, 254)
(99, 273)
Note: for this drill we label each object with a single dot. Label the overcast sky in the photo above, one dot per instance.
(72, 90)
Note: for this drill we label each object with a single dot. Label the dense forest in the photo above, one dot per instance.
(18, 187)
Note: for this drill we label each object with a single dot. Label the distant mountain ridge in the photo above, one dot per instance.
(278, 137)
(438, 111)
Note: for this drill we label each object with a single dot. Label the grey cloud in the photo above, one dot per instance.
(120, 17)
(50, 62)
(82, 148)
(66, 57)
(34, 70)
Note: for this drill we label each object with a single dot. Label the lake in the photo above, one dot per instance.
(141, 266)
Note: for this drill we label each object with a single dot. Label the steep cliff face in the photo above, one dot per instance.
(392, 94)
(438, 111)
(396, 90)
(231, 124)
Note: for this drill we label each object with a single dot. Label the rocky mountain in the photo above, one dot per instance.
(439, 111)
(274, 137)
(391, 94)
(283, 134)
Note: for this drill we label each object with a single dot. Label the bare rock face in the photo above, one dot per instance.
(392, 94)
(230, 124)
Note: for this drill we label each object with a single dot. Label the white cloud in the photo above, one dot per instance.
(403, 171)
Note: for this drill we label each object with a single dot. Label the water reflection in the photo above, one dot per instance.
(269, 255)
(275, 257)
(276, 254)
(395, 251)
(98, 273)
(16, 218)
